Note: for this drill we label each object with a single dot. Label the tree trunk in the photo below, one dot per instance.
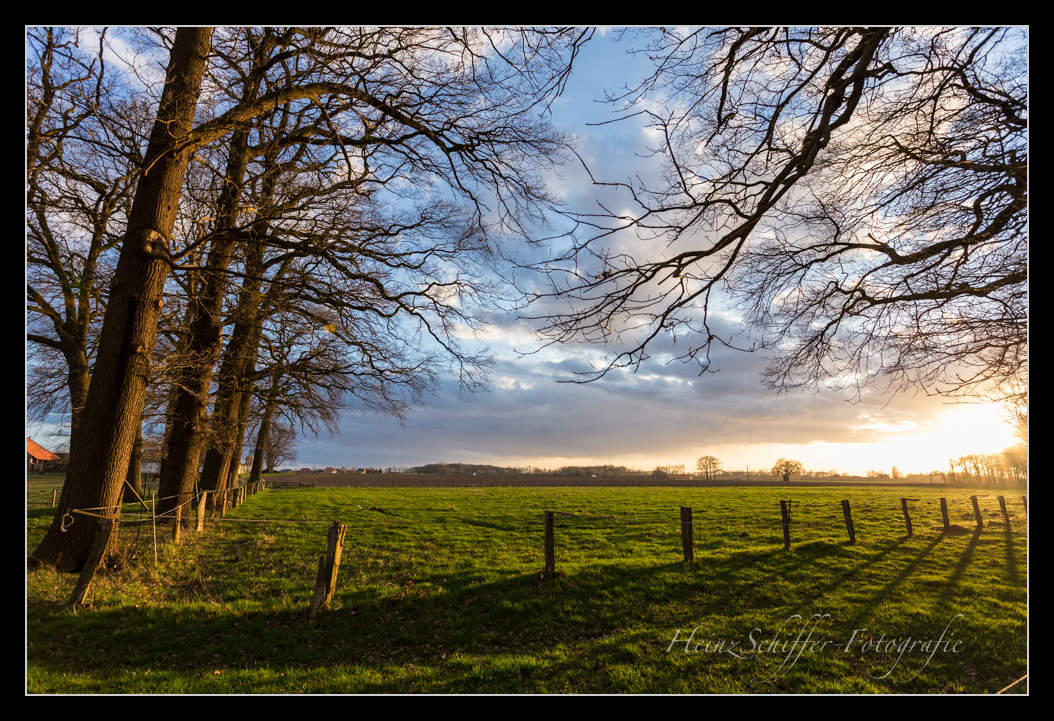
(113, 409)
(239, 429)
(262, 435)
(79, 381)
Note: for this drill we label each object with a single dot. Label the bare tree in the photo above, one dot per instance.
(278, 446)
(101, 450)
(251, 55)
(784, 469)
(708, 466)
(860, 193)
(460, 109)
(84, 129)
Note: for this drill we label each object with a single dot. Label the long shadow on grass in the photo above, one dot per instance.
(840, 578)
(518, 614)
(948, 591)
(868, 607)
(1012, 575)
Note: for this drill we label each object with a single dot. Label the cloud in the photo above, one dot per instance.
(664, 413)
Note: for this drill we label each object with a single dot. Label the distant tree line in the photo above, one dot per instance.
(1007, 468)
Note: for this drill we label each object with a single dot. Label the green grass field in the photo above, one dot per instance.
(441, 593)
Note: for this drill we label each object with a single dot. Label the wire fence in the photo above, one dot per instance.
(807, 520)
(600, 535)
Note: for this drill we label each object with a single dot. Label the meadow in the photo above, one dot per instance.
(440, 591)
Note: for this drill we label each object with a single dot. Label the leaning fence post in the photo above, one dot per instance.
(328, 565)
(944, 514)
(550, 547)
(1006, 516)
(94, 562)
(907, 516)
(687, 535)
(335, 546)
(977, 512)
(848, 514)
(54, 496)
(785, 518)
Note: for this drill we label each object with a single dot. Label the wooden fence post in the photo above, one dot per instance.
(687, 535)
(153, 522)
(785, 518)
(944, 513)
(1006, 516)
(848, 514)
(328, 565)
(94, 562)
(177, 522)
(335, 546)
(54, 496)
(977, 512)
(907, 516)
(550, 547)
(201, 511)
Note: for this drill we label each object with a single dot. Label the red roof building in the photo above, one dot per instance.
(37, 456)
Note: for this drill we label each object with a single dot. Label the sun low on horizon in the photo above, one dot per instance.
(921, 446)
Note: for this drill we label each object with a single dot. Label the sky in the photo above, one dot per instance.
(664, 413)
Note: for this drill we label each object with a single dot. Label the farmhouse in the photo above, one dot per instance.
(38, 457)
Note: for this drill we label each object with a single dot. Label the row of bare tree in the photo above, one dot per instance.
(298, 220)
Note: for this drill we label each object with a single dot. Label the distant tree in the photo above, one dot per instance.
(280, 446)
(785, 468)
(708, 466)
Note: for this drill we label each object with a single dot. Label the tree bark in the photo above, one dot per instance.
(113, 409)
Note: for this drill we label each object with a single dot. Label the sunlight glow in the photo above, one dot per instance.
(913, 446)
